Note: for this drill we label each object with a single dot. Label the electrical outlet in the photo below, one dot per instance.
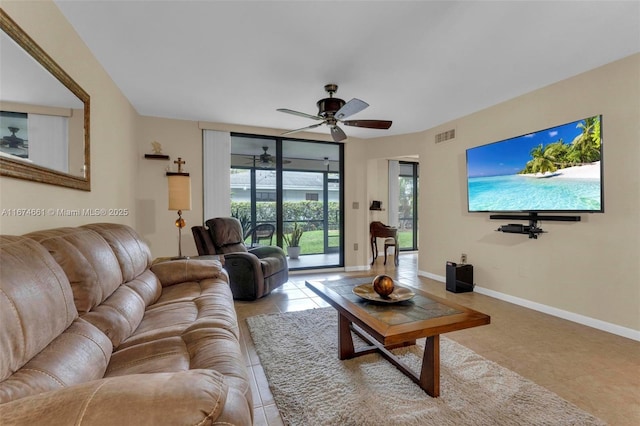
(355, 246)
(463, 258)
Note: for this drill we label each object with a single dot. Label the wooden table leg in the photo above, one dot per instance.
(396, 251)
(345, 340)
(374, 250)
(430, 371)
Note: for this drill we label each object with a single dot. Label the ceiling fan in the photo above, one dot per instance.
(266, 160)
(14, 145)
(13, 141)
(332, 111)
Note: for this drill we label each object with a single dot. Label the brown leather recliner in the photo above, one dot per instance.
(253, 273)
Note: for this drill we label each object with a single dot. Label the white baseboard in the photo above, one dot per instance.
(315, 271)
(357, 268)
(629, 333)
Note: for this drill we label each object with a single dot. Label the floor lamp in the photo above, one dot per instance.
(179, 198)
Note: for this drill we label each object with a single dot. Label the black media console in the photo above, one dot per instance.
(532, 229)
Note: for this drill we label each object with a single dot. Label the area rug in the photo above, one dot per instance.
(311, 386)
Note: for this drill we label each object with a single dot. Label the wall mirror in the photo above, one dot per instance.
(44, 115)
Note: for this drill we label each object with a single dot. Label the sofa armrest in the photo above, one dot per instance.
(268, 251)
(186, 397)
(183, 270)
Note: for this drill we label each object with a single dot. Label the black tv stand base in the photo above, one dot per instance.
(532, 229)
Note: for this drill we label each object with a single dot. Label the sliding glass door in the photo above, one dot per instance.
(286, 182)
(408, 206)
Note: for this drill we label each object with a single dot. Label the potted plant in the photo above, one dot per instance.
(293, 241)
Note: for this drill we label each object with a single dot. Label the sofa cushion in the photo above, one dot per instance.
(121, 313)
(187, 306)
(87, 260)
(209, 348)
(36, 302)
(131, 251)
(79, 354)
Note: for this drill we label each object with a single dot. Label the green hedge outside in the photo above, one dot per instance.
(309, 215)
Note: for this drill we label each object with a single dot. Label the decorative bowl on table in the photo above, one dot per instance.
(383, 289)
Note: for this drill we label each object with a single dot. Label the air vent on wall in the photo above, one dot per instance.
(445, 136)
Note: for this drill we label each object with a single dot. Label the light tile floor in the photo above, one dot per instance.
(597, 371)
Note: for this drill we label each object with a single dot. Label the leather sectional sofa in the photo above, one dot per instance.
(91, 333)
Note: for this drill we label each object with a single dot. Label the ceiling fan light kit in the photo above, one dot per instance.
(333, 111)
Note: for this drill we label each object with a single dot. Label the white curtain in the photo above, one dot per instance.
(49, 141)
(216, 156)
(394, 189)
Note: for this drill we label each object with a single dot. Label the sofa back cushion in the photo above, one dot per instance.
(88, 261)
(133, 254)
(107, 265)
(121, 313)
(44, 345)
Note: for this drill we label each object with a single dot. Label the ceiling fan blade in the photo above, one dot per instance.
(371, 124)
(301, 114)
(337, 134)
(313, 126)
(352, 107)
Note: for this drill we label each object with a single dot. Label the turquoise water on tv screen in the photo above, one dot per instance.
(522, 193)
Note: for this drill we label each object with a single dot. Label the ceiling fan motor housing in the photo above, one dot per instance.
(327, 107)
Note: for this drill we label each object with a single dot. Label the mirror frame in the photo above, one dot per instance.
(33, 172)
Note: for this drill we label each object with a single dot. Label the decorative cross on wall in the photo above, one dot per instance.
(179, 162)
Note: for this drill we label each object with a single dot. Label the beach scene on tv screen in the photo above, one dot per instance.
(556, 169)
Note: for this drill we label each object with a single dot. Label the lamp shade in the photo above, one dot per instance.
(179, 192)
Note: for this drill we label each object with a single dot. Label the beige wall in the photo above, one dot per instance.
(114, 159)
(590, 268)
(179, 138)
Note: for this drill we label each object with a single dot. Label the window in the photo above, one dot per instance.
(265, 196)
(288, 181)
(408, 206)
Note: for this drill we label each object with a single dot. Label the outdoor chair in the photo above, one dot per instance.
(259, 233)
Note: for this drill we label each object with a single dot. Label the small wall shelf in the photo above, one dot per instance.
(376, 206)
(532, 229)
(156, 157)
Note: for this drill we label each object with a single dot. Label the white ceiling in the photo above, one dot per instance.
(418, 63)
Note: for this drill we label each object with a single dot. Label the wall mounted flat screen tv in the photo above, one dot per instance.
(552, 170)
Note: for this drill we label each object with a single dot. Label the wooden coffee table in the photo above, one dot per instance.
(389, 325)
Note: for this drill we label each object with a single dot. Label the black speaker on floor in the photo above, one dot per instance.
(459, 277)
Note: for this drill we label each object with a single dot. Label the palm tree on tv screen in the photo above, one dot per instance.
(585, 148)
